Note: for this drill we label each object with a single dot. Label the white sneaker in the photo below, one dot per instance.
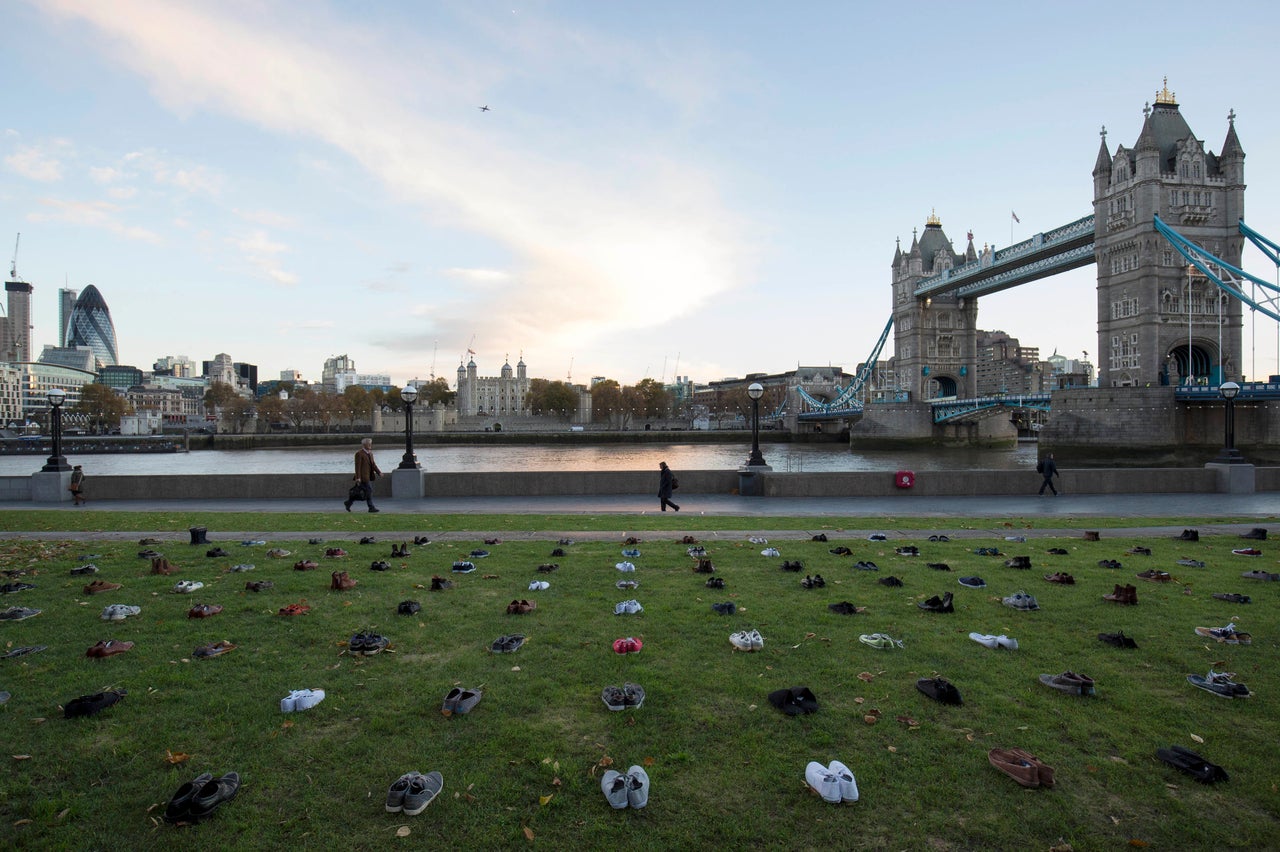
(848, 784)
(637, 787)
(985, 639)
(286, 703)
(186, 587)
(305, 699)
(614, 786)
(741, 640)
(539, 585)
(757, 641)
(625, 566)
(756, 539)
(770, 551)
(119, 612)
(630, 607)
(823, 781)
(1006, 642)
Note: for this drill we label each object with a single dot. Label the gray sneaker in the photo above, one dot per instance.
(614, 786)
(422, 791)
(18, 613)
(395, 793)
(637, 787)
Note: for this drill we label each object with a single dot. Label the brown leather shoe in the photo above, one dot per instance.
(204, 610)
(160, 565)
(1015, 766)
(305, 565)
(1061, 577)
(108, 648)
(99, 586)
(342, 582)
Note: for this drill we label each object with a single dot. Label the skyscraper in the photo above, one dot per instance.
(16, 339)
(66, 303)
(90, 325)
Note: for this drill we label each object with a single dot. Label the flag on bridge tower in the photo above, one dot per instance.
(1015, 217)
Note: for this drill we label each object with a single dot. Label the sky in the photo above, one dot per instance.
(703, 189)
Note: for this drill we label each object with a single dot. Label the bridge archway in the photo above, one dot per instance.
(941, 386)
(1198, 364)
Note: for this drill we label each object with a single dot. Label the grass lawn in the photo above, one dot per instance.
(727, 769)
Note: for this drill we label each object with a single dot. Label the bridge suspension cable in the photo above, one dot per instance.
(848, 399)
(1226, 277)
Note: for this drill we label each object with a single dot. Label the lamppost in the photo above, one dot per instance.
(410, 461)
(1229, 454)
(56, 462)
(755, 390)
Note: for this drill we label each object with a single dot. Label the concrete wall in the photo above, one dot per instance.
(552, 483)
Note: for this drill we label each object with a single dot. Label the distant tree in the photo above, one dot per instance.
(357, 404)
(102, 405)
(298, 408)
(561, 398)
(606, 401)
(218, 395)
(658, 401)
(237, 413)
(436, 390)
(271, 409)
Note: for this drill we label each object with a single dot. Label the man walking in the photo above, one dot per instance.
(666, 485)
(1049, 470)
(366, 472)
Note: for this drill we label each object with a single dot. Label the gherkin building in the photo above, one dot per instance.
(91, 326)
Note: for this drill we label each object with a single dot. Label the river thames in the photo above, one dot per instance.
(795, 458)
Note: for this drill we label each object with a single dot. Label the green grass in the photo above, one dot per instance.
(726, 768)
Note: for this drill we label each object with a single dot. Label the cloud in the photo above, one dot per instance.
(305, 325)
(267, 218)
(93, 214)
(35, 164)
(261, 252)
(596, 234)
(478, 276)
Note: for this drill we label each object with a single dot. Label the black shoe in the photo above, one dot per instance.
(1256, 534)
(347, 503)
(1193, 764)
(889, 581)
(374, 509)
(368, 539)
(179, 808)
(380, 565)
(843, 608)
(409, 607)
(726, 608)
(214, 793)
(1057, 551)
(819, 537)
(1117, 640)
(87, 705)
(1189, 535)
(939, 566)
(939, 689)
(715, 583)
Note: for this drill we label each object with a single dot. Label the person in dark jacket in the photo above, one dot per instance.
(1049, 470)
(666, 484)
(366, 472)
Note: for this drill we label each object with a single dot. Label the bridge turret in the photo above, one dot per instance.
(1101, 167)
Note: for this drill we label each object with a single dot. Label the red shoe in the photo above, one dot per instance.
(294, 609)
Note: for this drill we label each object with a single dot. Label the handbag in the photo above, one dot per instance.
(675, 483)
(356, 493)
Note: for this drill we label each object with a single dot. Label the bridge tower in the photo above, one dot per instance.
(1159, 323)
(934, 339)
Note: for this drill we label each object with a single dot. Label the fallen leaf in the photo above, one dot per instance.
(22, 757)
(969, 737)
(893, 749)
(403, 831)
(648, 761)
(1197, 738)
(528, 833)
(1115, 820)
(606, 761)
(555, 782)
(870, 720)
(543, 800)
(556, 766)
(751, 706)
(515, 668)
(23, 822)
(546, 760)
(859, 700)
(1115, 758)
(176, 757)
(866, 677)
(286, 724)
(1141, 844)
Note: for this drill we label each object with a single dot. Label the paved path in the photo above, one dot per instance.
(852, 515)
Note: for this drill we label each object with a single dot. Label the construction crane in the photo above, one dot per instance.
(569, 377)
(13, 264)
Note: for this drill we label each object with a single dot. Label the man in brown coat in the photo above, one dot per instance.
(366, 472)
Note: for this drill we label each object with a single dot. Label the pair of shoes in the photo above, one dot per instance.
(253, 543)
(539, 586)
(160, 565)
(548, 567)
(204, 610)
(794, 701)
(939, 689)
(973, 582)
(88, 705)
(629, 645)
(987, 551)
(97, 587)
(522, 607)
(630, 790)
(380, 565)
(340, 581)
(840, 550)
(1023, 562)
(115, 612)
(883, 641)
(557, 553)
(1057, 551)
(1127, 595)
(846, 608)
(939, 566)
(907, 550)
(1076, 684)
(1189, 535)
(628, 584)
(937, 604)
(726, 608)
(697, 552)
(1155, 576)
(628, 696)
(1227, 635)
(409, 608)
(215, 649)
(295, 609)
(23, 651)
(241, 568)
(1062, 577)
(629, 540)
(704, 566)
(413, 791)
(814, 582)
(819, 537)
(200, 797)
(478, 554)
(279, 553)
(939, 538)
(1232, 597)
(186, 587)
(770, 551)
(419, 540)
(1221, 684)
(1247, 551)
(108, 648)
(306, 565)
(1139, 550)
(10, 588)
(1021, 600)
(1257, 534)
(400, 551)
(507, 644)
(796, 566)
(877, 537)
(630, 607)
(834, 783)
(367, 644)
(1021, 766)
(217, 553)
(439, 584)
(1260, 575)
(631, 552)
(990, 641)
(148, 554)
(1186, 760)
(624, 566)
(688, 539)
(90, 568)
(757, 539)
(367, 539)
(334, 552)
(1117, 640)
(747, 640)
(1015, 538)
(715, 583)
(301, 699)
(1191, 563)
(893, 582)
(460, 700)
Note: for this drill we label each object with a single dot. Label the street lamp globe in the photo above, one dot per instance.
(1229, 390)
(56, 396)
(755, 390)
(410, 461)
(409, 394)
